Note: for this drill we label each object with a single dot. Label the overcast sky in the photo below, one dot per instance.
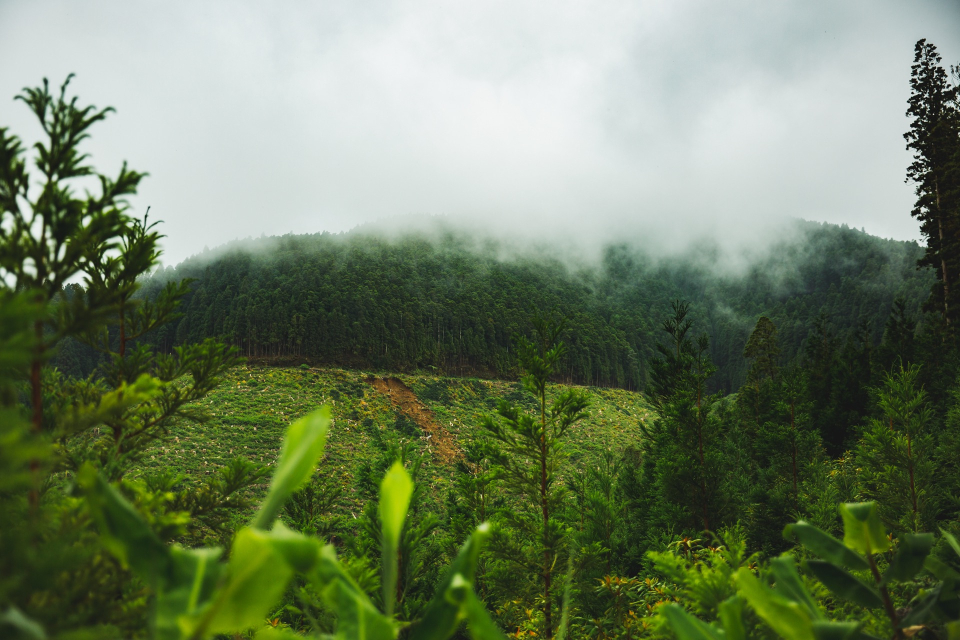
(655, 121)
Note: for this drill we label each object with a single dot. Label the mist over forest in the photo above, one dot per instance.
(643, 378)
(448, 301)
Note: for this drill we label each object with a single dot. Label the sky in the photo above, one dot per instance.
(654, 122)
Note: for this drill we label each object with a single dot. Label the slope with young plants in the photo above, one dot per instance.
(253, 405)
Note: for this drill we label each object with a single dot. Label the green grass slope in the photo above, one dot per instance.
(437, 417)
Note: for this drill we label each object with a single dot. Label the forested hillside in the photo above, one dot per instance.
(789, 470)
(449, 305)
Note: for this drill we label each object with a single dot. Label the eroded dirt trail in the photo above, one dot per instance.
(441, 442)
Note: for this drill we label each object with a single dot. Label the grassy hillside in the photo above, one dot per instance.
(436, 416)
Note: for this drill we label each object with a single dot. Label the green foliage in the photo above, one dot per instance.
(70, 269)
(934, 139)
(701, 575)
(683, 449)
(301, 449)
(896, 453)
(849, 570)
(198, 597)
(527, 450)
(395, 492)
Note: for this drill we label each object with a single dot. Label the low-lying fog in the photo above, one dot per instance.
(660, 123)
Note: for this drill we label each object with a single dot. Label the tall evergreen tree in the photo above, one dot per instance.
(764, 353)
(934, 139)
(681, 451)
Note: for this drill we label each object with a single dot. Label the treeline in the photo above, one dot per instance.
(843, 394)
(445, 305)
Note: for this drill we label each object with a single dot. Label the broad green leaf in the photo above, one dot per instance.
(357, 619)
(923, 610)
(911, 554)
(356, 615)
(830, 630)
(444, 613)
(465, 603)
(789, 619)
(180, 607)
(951, 541)
(27, 628)
(940, 569)
(843, 585)
(730, 613)
(123, 532)
(862, 530)
(257, 577)
(688, 627)
(789, 585)
(299, 551)
(824, 545)
(480, 625)
(302, 448)
(395, 492)
(953, 630)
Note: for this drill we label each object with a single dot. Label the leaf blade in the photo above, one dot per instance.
(843, 585)
(302, 447)
(824, 545)
(862, 529)
(396, 490)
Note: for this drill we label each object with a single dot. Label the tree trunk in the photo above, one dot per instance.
(793, 430)
(547, 605)
(36, 398)
(913, 487)
(703, 464)
(943, 261)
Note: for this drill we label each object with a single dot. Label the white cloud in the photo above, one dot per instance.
(602, 119)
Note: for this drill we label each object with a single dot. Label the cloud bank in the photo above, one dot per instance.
(658, 122)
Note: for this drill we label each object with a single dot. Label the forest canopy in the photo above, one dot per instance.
(765, 453)
(452, 304)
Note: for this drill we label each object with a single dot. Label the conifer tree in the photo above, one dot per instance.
(934, 139)
(682, 447)
(48, 234)
(50, 237)
(529, 448)
(604, 507)
(899, 337)
(764, 352)
(896, 453)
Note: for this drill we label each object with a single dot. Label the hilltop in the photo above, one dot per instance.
(451, 305)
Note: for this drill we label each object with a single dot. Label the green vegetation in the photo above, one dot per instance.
(251, 408)
(527, 449)
(450, 306)
(134, 500)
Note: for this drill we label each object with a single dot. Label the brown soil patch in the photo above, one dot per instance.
(403, 397)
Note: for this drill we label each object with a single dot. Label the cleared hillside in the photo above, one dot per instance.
(437, 417)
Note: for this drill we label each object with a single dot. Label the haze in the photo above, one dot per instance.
(658, 122)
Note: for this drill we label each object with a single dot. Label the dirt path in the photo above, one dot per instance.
(441, 442)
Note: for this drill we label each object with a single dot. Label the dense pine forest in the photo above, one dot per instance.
(445, 305)
(425, 436)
